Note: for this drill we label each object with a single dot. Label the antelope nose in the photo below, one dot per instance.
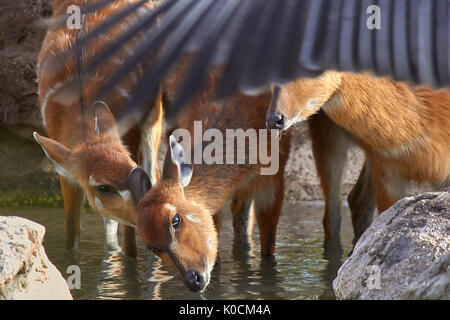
(195, 281)
(275, 121)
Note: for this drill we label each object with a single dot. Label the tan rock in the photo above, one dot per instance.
(25, 270)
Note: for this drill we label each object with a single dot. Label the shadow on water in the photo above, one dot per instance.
(332, 253)
(303, 266)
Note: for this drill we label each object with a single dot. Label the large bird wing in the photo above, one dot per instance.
(259, 42)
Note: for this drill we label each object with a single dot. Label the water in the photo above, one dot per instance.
(302, 268)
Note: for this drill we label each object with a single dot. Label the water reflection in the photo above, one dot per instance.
(117, 266)
(302, 268)
(158, 277)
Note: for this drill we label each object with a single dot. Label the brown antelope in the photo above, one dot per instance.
(175, 216)
(85, 143)
(404, 131)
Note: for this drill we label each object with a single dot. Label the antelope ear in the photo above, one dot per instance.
(138, 184)
(104, 121)
(178, 157)
(57, 153)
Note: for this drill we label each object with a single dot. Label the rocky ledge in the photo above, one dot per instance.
(25, 270)
(404, 254)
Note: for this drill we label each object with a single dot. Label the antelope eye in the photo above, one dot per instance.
(176, 221)
(105, 189)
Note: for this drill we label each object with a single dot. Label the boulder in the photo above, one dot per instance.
(433, 283)
(401, 244)
(25, 270)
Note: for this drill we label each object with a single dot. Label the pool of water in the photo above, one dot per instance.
(302, 268)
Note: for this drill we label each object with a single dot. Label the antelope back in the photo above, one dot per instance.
(85, 141)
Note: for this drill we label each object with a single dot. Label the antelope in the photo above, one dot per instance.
(175, 217)
(85, 142)
(404, 132)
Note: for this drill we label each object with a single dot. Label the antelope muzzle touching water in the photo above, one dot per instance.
(176, 217)
(175, 228)
(403, 131)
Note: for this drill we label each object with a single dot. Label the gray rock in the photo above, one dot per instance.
(433, 283)
(400, 245)
(25, 270)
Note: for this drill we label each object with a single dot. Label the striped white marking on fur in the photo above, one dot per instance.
(169, 207)
(118, 61)
(99, 76)
(48, 45)
(92, 181)
(98, 203)
(125, 194)
(105, 36)
(49, 93)
(192, 218)
(141, 11)
(124, 93)
(127, 49)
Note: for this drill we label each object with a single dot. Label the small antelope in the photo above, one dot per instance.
(85, 143)
(404, 131)
(175, 216)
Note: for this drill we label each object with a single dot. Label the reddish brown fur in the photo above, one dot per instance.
(211, 186)
(68, 117)
(404, 131)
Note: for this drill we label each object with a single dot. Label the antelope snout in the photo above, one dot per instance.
(275, 121)
(195, 281)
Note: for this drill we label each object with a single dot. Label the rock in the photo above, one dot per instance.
(19, 157)
(433, 283)
(22, 29)
(24, 174)
(25, 270)
(401, 244)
